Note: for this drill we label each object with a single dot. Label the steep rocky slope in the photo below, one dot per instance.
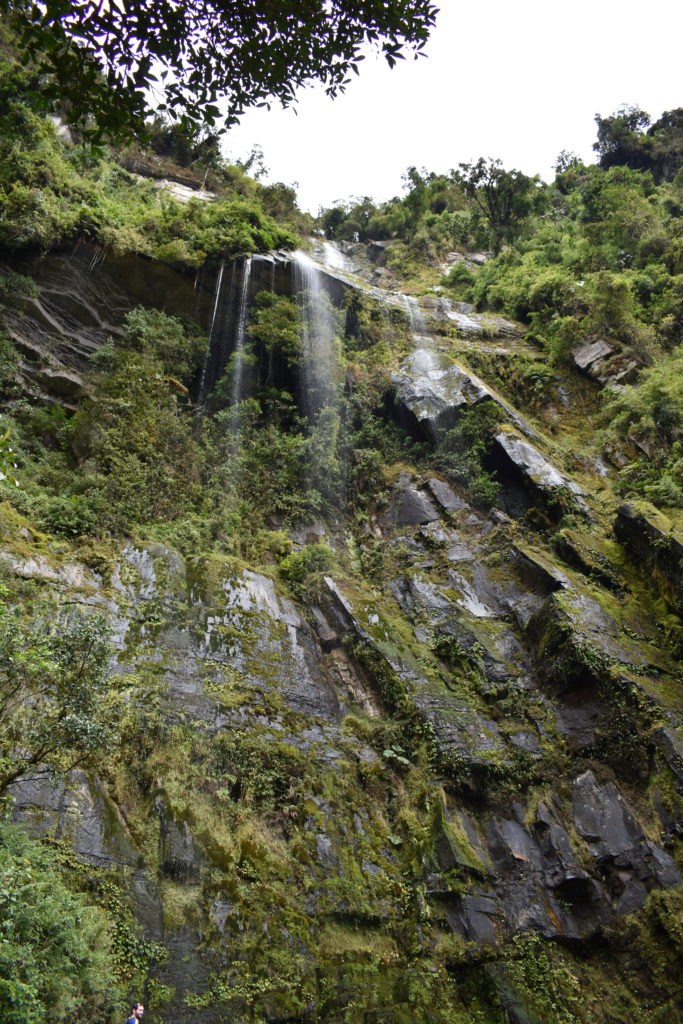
(439, 779)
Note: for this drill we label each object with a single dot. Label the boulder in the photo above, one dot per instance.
(408, 506)
(618, 843)
(517, 460)
(432, 390)
(605, 362)
(446, 496)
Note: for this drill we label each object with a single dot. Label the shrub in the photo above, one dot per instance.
(55, 955)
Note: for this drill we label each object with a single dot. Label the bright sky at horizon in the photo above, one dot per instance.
(517, 81)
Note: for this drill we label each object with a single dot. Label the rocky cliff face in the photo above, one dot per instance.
(445, 784)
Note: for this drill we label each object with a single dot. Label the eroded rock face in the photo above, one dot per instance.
(443, 646)
(652, 539)
(432, 390)
(538, 476)
(440, 742)
(204, 618)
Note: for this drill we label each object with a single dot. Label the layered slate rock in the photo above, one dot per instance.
(461, 733)
(432, 390)
(209, 618)
(446, 496)
(632, 863)
(515, 460)
(605, 362)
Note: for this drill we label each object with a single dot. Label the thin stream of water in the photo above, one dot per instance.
(240, 332)
(201, 398)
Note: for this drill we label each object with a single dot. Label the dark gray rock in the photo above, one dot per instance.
(408, 507)
(537, 571)
(446, 496)
(616, 839)
(515, 458)
(477, 916)
(432, 390)
(78, 810)
(461, 734)
(657, 547)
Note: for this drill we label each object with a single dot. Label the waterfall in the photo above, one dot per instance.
(333, 257)
(240, 332)
(459, 316)
(203, 380)
(319, 362)
(321, 393)
(418, 324)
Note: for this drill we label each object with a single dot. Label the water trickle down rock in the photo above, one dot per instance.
(431, 390)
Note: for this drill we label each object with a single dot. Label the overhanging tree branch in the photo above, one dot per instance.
(104, 59)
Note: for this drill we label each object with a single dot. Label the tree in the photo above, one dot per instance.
(627, 138)
(103, 58)
(505, 198)
(666, 136)
(621, 139)
(55, 949)
(57, 707)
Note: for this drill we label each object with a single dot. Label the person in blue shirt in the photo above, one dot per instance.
(136, 1012)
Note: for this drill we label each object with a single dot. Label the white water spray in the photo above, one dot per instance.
(240, 332)
(319, 363)
(201, 397)
(333, 257)
(418, 324)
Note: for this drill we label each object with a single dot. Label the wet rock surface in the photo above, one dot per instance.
(652, 539)
(444, 737)
(517, 461)
(431, 390)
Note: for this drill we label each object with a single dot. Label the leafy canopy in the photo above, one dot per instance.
(57, 707)
(103, 58)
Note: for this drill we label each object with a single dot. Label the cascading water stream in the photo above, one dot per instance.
(333, 257)
(240, 332)
(321, 395)
(319, 356)
(203, 380)
(418, 324)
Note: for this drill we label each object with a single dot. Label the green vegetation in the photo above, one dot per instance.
(52, 190)
(102, 64)
(326, 865)
(58, 709)
(55, 946)
(594, 255)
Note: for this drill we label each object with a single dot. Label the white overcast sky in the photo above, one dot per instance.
(515, 79)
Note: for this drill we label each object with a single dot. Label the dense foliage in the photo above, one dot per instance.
(596, 254)
(58, 709)
(52, 191)
(101, 61)
(55, 946)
